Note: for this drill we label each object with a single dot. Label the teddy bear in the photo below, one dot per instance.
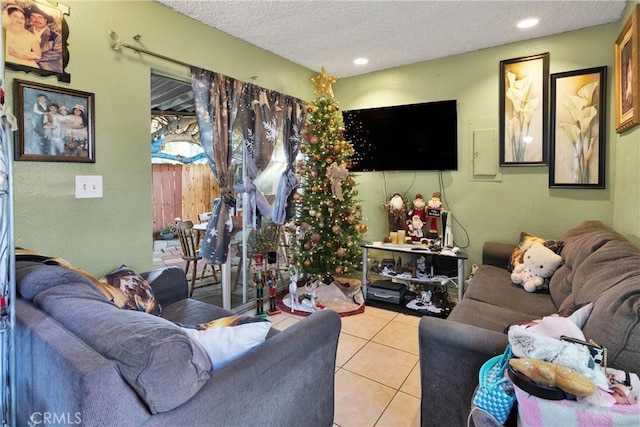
(539, 263)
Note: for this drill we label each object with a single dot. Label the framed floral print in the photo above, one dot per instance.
(627, 84)
(524, 87)
(36, 37)
(578, 128)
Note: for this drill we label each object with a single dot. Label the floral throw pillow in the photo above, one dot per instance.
(526, 240)
(132, 290)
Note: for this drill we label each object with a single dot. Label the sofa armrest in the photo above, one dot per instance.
(451, 354)
(57, 373)
(497, 254)
(169, 284)
(287, 381)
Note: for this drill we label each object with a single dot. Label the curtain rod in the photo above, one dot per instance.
(117, 44)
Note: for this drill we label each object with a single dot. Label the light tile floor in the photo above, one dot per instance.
(377, 379)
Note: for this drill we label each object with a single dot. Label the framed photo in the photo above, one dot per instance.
(36, 37)
(627, 86)
(524, 88)
(54, 124)
(578, 128)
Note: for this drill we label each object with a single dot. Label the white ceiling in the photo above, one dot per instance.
(390, 33)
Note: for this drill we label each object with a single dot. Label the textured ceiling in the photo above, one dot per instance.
(390, 33)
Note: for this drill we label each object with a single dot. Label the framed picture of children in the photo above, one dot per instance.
(36, 37)
(54, 124)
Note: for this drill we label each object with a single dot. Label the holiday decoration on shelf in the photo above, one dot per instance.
(396, 212)
(327, 225)
(434, 211)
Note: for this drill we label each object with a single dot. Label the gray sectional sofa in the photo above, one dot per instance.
(600, 266)
(82, 360)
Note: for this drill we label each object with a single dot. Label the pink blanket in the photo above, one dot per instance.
(536, 412)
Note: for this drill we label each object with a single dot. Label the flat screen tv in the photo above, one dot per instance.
(403, 137)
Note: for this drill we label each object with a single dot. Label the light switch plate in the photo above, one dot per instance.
(88, 186)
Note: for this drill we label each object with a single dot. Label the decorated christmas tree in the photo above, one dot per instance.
(328, 218)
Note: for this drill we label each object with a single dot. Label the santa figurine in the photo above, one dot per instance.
(415, 229)
(396, 212)
(434, 210)
(418, 207)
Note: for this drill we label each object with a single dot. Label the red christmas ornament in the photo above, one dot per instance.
(351, 219)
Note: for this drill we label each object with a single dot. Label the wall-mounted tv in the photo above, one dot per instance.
(404, 137)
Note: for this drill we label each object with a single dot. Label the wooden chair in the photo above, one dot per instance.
(188, 242)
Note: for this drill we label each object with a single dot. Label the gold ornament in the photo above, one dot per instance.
(307, 263)
(341, 252)
(362, 228)
(351, 219)
(335, 228)
(323, 83)
(313, 139)
(338, 269)
(296, 196)
(329, 160)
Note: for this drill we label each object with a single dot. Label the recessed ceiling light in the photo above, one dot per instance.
(528, 23)
(361, 61)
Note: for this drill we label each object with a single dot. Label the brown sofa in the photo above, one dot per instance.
(600, 266)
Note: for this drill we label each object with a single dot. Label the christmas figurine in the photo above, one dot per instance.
(272, 283)
(434, 210)
(418, 208)
(415, 229)
(396, 212)
(258, 283)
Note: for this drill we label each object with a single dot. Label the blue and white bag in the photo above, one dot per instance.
(495, 393)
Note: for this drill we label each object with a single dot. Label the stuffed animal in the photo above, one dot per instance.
(539, 263)
(554, 375)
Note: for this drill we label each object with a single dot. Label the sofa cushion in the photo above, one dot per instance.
(158, 360)
(138, 295)
(580, 243)
(35, 277)
(486, 316)
(493, 286)
(610, 277)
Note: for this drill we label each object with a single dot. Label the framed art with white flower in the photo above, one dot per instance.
(524, 88)
(627, 83)
(578, 128)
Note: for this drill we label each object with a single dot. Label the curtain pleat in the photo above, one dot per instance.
(216, 100)
(294, 115)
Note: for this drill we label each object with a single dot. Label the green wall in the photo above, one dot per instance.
(521, 200)
(626, 194)
(100, 234)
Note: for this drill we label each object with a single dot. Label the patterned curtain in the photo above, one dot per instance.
(261, 119)
(294, 115)
(216, 100)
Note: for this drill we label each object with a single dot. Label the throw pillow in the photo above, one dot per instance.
(134, 291)
(526, 240)
(227, 338)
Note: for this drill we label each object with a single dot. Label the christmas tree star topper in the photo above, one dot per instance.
(323, 83)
